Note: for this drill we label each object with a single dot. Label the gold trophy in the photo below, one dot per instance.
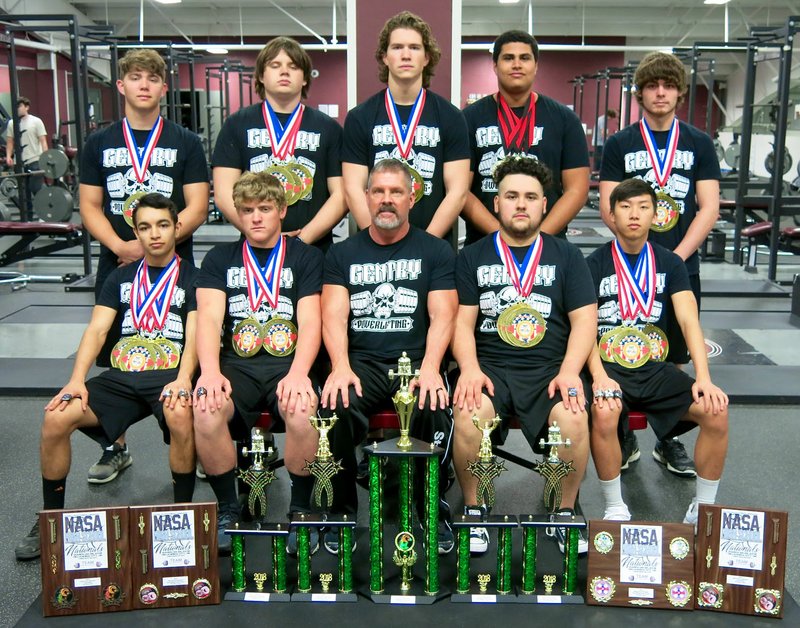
(323, 467)
(404, 400)
(552, 468)
(487, 467)
(404, 557)
(258, 477)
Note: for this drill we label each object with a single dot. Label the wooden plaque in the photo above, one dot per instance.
(740, 562)
(85, 561)
(174, 555)
(640, 564)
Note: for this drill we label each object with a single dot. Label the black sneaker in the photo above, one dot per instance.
(331, 541)
(561, 534)
(227, 517)
(110, 464)
(672, 453)
(446, 540)
(291, 541)
(630, 450)
(28, 548)
(478, 535)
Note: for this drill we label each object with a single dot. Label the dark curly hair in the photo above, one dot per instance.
(523, 164)
(406, 19)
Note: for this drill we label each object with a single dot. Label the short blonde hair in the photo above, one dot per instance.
(258, 186)
(143, 59)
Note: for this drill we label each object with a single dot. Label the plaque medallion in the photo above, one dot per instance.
(279, 337)
(659, 345)
(602, 589)
(603, 542)
(679, 548)
(630, 348)
(246, 337)
(63, 598)
(678, 593)
(521, 326)
(129, 205)
(709, 594)
(201, 588)
(667, 213)
(768, 601)
(148, 594)
(112, 595)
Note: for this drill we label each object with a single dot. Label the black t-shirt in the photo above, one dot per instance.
(223, 269)
(177, 160)
(244, 144)
(116, 294)
(625, 157)
(559, 141)
(440, 137)
(562, 284)
(389, 287)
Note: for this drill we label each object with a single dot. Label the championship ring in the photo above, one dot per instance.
(709, 594)
(171, 352)
(667, 212)
(678, 593)
(602, 589)
(129, 205)
(605, 344)
(246, 337)
(521, 326)
(679, 548)
(279, 337)
(304, 177)
(659, 345)
(630, 348)
(290, 181)
(137, 354)
(603, 542)
(768, 601)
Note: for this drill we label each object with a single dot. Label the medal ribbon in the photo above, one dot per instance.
(266, 281)
(636, 287)
(139, 164)
(404, 133)
(283, 139)
(518, 131)
(662, 167)
(150, 303)
(522, 275)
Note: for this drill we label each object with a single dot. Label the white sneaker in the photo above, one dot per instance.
(617, 513)
(691, 514)
(478, 540)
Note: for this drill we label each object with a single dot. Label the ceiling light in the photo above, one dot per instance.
(508, 1)
(167, 1)
(716, 1)
(217, 50)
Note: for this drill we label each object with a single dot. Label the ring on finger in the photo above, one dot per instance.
(617, 394)
(598, 394)
(66, 397)
(184, 394)
(572, 392)
(608, 393)
(201, 392)
(167, 394)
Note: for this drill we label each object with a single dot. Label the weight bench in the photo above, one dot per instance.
(759, 234)
(63, 235)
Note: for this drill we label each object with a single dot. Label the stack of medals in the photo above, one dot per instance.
(520, 325)
(149, 312)
(296, 178)
(517, 131)
(278, 336)
(140, 159)
(627, 345)
(667, 209)
(404, 135)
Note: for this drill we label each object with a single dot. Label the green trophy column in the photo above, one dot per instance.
(504, 560)
(375, 525)
(279, 564)
(303, 559)
(571, 561)
(345, 559)
(462, 565)
(239, 581)
(432, 527)
(528, 560)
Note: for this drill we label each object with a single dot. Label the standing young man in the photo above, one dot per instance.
(33, 139)
(680, 163)
(262, 294)
(141, 153)
(298, 144)
(517, 120)
(526, 323)
(153, 363)
(409, 122)
(642, 287)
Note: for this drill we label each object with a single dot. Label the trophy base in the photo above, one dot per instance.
(417, 448)
(325, 597)
(543, 598)
(415, 597)
(483, 598)
(262, 597)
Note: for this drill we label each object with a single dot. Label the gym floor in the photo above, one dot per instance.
(754, 356)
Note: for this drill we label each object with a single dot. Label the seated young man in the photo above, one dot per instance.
(642, 288)
(262, 294)
(153, 363)
(525, 328)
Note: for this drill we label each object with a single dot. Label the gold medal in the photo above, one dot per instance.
(140, 354)
(305, 178)
(605, 344)
(247, 337)
(667, 212)
(279, 337)
(521, 326)
(659, 345)
(630, 348)
(129, 205)
(291, 184)
(170, 349)
(417, 183)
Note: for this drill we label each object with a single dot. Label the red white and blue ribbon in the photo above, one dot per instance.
(263, 282)
(140, 158)
(522, 275)
(517, 131)
(404, 133)
(636, 287)
(662, 166)
(282, 138)
(150, 302)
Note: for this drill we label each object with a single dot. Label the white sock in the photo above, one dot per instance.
(612, 493)
(706, 490)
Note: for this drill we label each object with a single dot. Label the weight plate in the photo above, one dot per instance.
(732, 155)
(769, 162)
(53, 204)
(54, 163)
(719, 150)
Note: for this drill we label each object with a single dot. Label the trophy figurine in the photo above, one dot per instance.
(485, 469)
(404, 557)
(257, 476)
(553, 470)
(323, 468)
(405, 449)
